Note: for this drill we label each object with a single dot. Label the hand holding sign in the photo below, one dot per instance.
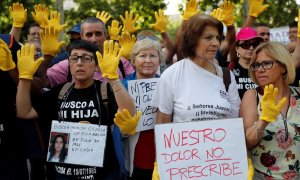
(126, 122)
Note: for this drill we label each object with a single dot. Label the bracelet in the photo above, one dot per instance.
(257, 129)
(117, 89)
(115, 82)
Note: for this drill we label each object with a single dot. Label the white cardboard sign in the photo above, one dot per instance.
(141, 93)
(201, 150)
(84, 144)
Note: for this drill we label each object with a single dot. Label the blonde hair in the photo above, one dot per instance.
(144, 44)
(278, 52)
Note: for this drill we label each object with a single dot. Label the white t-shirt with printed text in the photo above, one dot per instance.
(192, 93)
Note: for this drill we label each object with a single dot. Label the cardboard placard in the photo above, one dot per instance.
(77, 143)
(202, 150)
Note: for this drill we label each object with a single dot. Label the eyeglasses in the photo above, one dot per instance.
(248, 44)
(264, 33)
(84, 58)
(265, 65)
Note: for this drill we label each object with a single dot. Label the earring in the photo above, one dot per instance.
(238, 55)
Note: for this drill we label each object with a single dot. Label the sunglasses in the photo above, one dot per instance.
(248, 44)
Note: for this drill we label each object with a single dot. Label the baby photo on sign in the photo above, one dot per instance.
(58, 147)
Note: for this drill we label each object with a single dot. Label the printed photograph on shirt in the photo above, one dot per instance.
(58, 147)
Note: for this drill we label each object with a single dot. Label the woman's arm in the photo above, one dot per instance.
(122, 97)
(163, 118)
(23, 101)
(254, 128)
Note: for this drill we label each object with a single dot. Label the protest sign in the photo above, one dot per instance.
(280, 34)
(82, 144)
(201, 150)
(141, 93)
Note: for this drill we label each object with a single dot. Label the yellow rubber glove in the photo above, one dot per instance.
(103, 16)
(227, 13)
(50, 44)
(298, 34)
(155, 174)
(109, 62)
(55, 21)
(114, 30)
(40, 15)
(250, 169)
(127, 42)
(27, 66)
(6, 61)
(161, 22)
(129, 21)
(18, 14)
(257, 7)
(269, 109)
(217, 13)
(190, 10)
(126, 122)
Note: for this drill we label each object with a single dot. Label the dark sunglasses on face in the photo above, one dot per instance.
(268, 64)
(262, 34)
(84, 58)
(248, 44)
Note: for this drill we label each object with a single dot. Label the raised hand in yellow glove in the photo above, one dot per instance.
(126, 122)
(109, 62)
(27, 66)
(50, 44)
(129, 22)
(161, 22)
(103, 16)
(127, 42)
(6, 61)
(250, 170)
(155, 174)
(257, 7)
(18, 14)
(190, 10)
(40, 15)
(269, 109)
(114, 30)
(55, 21)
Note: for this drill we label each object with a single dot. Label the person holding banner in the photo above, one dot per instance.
(82, 102)
(271, 114)
(57, 151)
(146, 57)
(193, 88)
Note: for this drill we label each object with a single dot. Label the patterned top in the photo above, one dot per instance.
(277, 155)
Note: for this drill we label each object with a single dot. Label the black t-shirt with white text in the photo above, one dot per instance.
(242, 79)
(81, 105)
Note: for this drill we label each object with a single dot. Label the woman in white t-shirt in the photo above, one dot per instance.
(193, 89)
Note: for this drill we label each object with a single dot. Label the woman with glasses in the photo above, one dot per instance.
(240, 55)
(272, 125)
(82, 101)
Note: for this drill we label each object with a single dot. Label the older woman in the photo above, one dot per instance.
(190, 89)
(272, 123)
(146, 57)
(85, 93)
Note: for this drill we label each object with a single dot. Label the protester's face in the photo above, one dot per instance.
(264, 32)
(94, 33)
(146, 63)
(82, 71)
(208, 44)
(272, 74)
(59, 143)
(293, 34)
(37, 49)
(245, 48)
(33, 34)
